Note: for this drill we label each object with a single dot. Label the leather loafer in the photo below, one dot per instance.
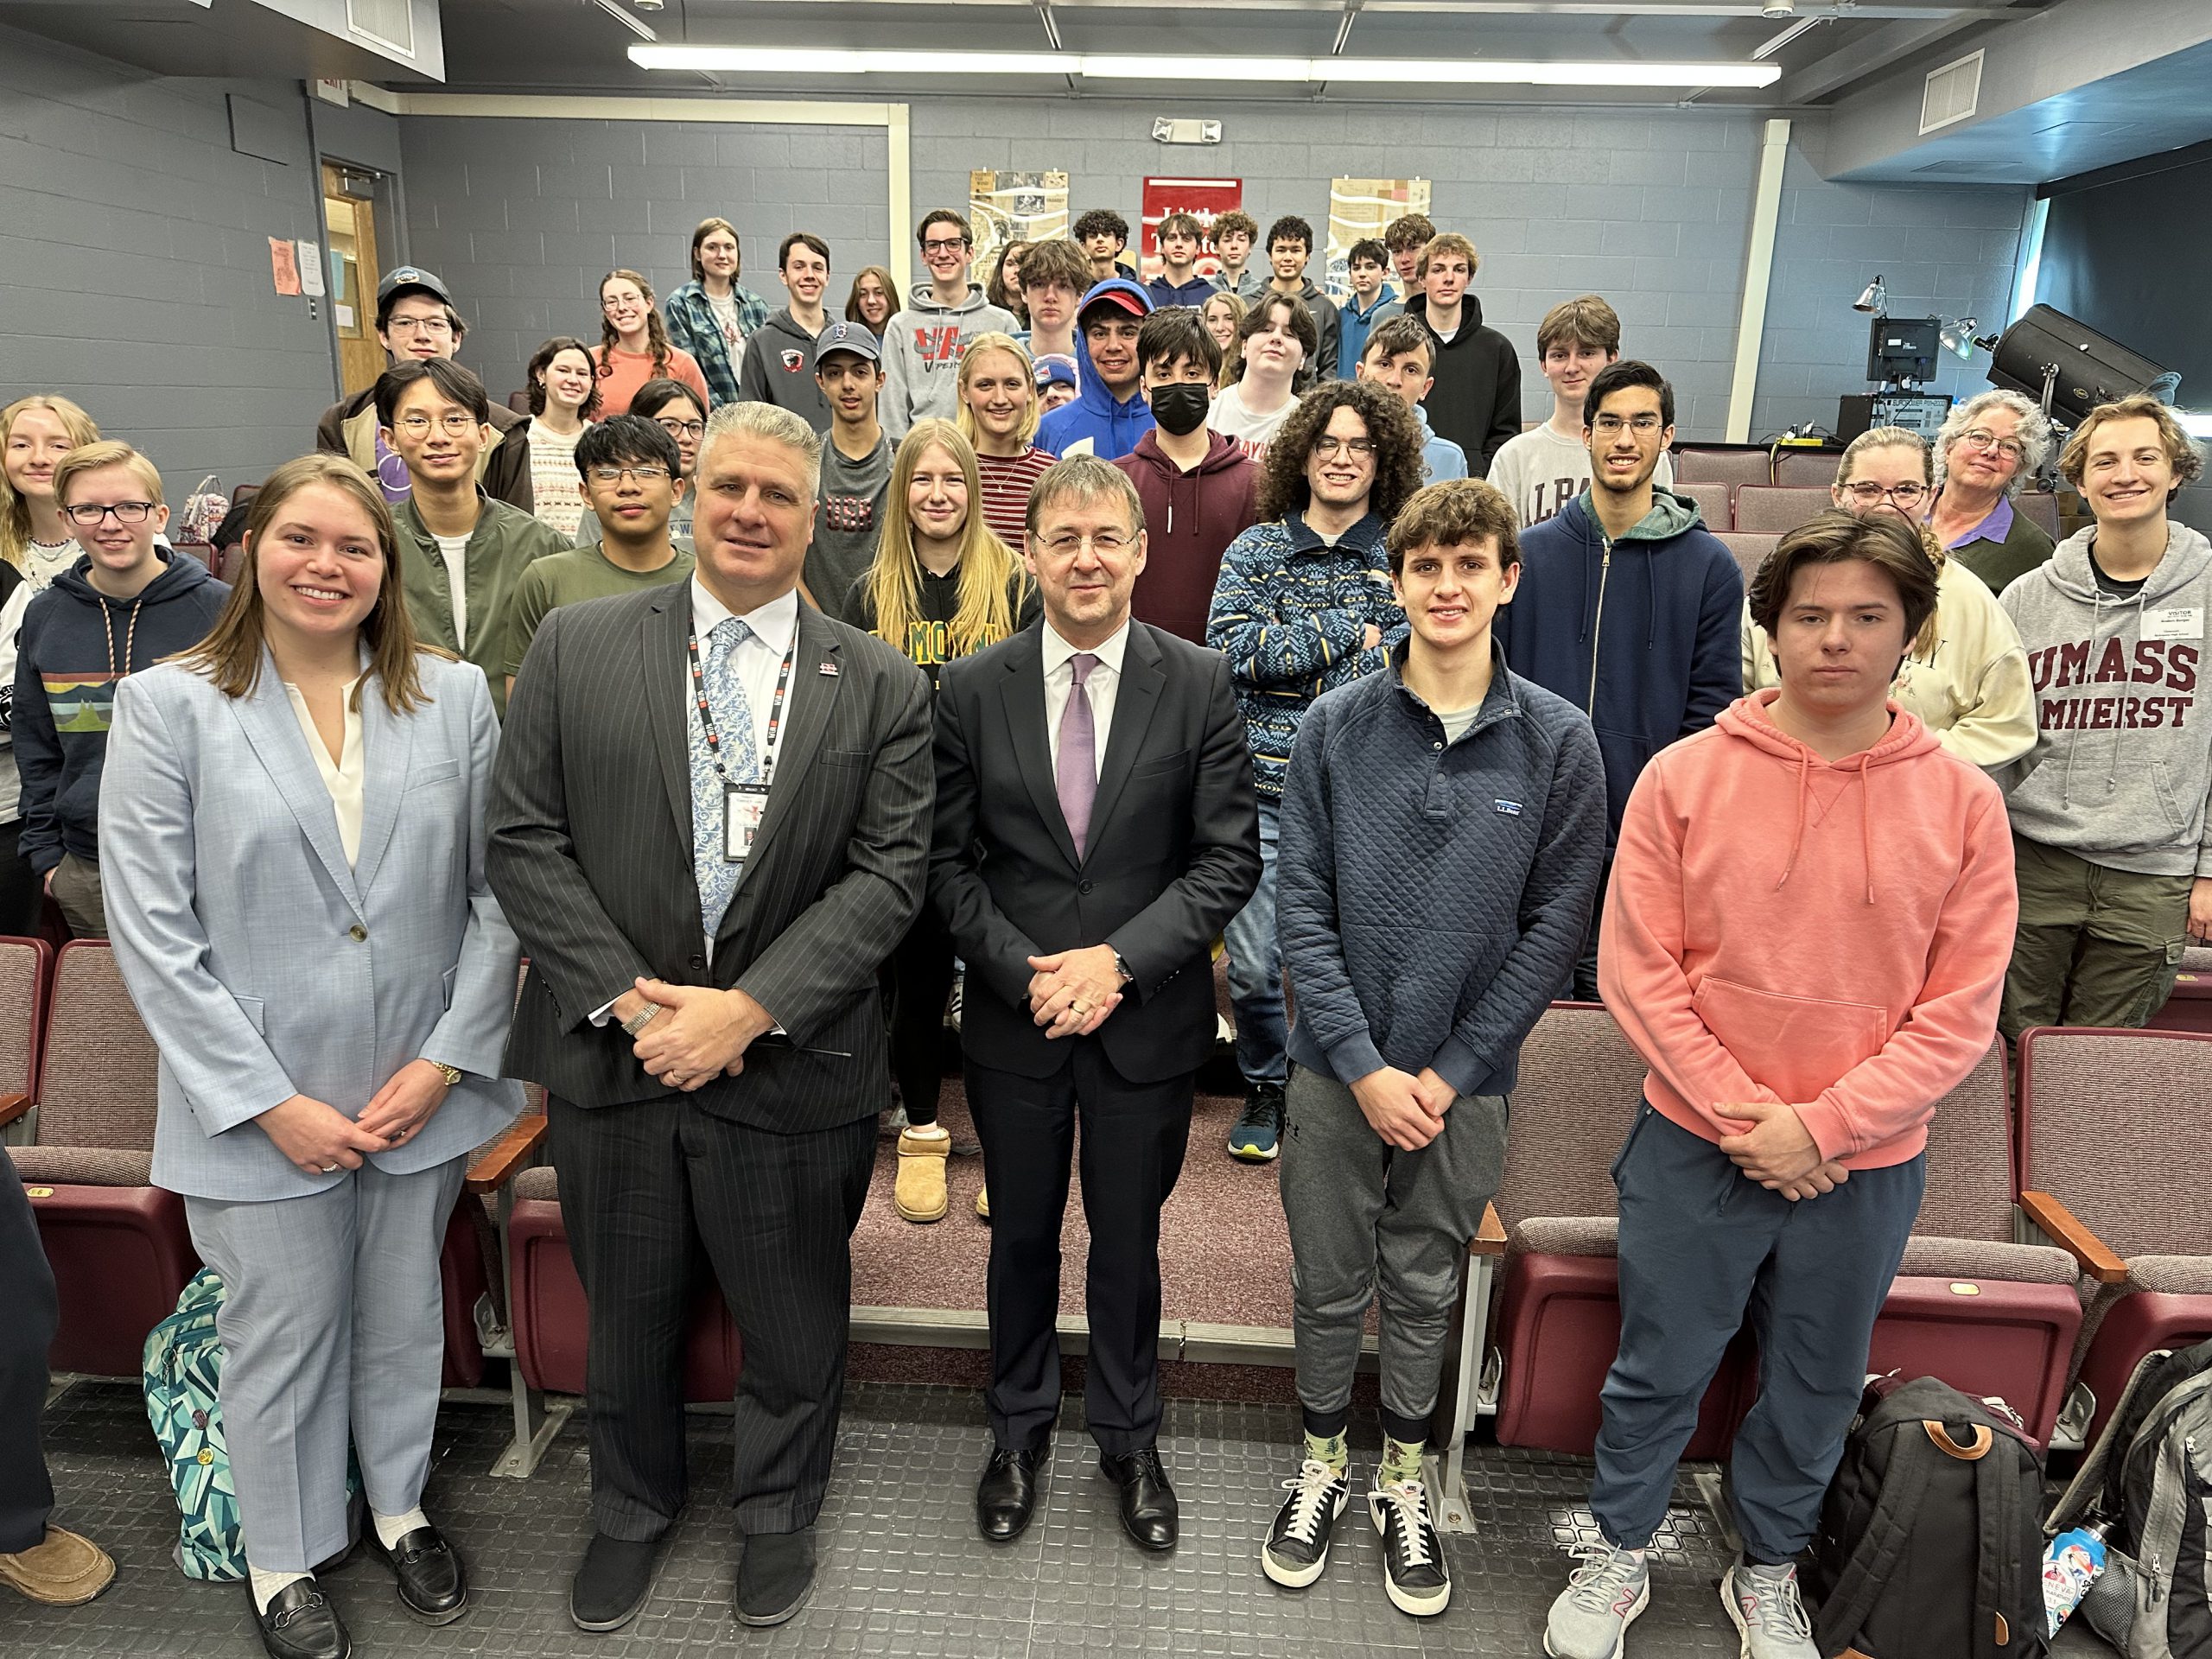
(776, 1576)
(300, 1625)
(1007, 1494)
(612, 1582)
(433, 1587)
(1149, 1513)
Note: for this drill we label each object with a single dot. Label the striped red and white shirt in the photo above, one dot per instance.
(1008, 480)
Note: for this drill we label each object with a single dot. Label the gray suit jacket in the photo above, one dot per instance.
(591, 854)
(262, 966)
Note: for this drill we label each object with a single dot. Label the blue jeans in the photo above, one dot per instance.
(1256, 968)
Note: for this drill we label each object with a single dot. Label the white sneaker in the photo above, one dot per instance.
(1603, 1598)
(1764, 1603)
(952, 1003)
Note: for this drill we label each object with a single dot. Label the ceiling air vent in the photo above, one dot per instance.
(389, 23)
(1951, 93)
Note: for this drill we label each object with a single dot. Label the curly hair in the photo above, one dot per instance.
(657, 340)
(2031, 430)
(2186, 454)
(541, 359)
(1398, 468)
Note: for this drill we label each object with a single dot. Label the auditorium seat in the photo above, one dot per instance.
(1715, 503)
(2041, 507)
(1769, 510)
(1731, 466)
(1988, 1315)
(119, 1245)
(1558, 1320)
(1800, 469)
(1750, 551)
(2117, 1127)
(518, 402)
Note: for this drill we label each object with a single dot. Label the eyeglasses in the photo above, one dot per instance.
(1106, 543)
(85, 516)
(1325, 446)
(1870, 494)
(453, 423)
(616, 474)
(2010, 449)
(682, 428)
(620, 303)
(1610, 426)
(431, 325)
(942, 244)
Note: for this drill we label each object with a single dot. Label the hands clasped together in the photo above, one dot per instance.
(699, 1034)
(1071, 993)
(321, 1140)
(1778, 1151)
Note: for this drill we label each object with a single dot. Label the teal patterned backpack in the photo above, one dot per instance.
(183, 1362)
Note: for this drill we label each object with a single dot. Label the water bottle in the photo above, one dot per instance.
(2071, 1563)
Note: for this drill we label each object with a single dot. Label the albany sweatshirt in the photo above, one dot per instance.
(76, 644)
(778, 369)
(921, 356)
(1739, 845)
(2122, 760)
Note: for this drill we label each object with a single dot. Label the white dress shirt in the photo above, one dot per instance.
(1103, 681)
(758, 659)
(343, 777)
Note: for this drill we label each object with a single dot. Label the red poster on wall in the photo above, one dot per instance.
(1207, 198)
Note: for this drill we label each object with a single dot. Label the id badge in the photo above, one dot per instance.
(743, 807)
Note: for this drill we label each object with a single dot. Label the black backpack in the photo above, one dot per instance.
(1930, 1544)
(2149, 1480)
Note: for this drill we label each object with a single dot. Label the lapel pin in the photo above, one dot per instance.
(828, 669)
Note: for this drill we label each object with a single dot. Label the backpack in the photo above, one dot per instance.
(183, 1364)
(202, 512)
(1929, 1546)
(2149, 1479)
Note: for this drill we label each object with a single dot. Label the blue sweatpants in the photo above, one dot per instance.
(1700, 1245)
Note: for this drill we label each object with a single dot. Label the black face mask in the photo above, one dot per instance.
(1180, 409)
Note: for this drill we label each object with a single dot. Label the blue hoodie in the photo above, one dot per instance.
(1109, 430)
(76, 645)
(1642, 635)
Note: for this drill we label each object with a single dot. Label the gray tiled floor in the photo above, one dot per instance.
(902, 1572)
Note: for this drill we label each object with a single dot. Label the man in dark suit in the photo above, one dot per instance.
(1096, 828)
(708, 827)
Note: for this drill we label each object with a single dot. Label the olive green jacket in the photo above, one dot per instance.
(504, 544)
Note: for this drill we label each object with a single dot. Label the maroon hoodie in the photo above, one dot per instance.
(1190, 520)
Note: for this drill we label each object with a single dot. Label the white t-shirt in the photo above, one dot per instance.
(455, 549)
(44, 561)
(1541, 472)
(1253, 433)
(11, 625)
(724, 310)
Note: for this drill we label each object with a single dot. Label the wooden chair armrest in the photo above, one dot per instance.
(1490, 1238)
(2072, 1235)
(13, 1106)
(505, 1157)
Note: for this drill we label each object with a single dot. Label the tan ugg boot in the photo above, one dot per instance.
(920, 1194)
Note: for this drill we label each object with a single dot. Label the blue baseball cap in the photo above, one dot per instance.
(854, 337)
(1056, 366)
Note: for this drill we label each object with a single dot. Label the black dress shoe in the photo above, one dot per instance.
(299, 1623)
(1149, 1509)
(1007, 1494)
(776, 1576)
(611, 1582)
(432, 1586)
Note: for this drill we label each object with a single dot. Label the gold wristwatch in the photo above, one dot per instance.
(450, 1073)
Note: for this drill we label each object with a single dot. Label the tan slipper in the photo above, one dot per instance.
(61, 1570)
(920, 1194)
(982, 1204)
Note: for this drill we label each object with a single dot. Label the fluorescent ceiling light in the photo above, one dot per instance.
(807, 60)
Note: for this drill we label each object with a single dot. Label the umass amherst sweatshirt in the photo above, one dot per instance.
(1830, 935)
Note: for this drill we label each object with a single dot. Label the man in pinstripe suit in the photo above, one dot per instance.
(708, 828)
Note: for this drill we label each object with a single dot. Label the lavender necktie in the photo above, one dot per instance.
(1077, 773)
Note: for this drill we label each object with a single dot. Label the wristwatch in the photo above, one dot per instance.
(450, 1073)
(1123, 968)
(644, 1017)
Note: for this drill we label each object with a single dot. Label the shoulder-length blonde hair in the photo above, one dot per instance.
(973, 353)
(994, 584)
(231, 654)
(16, 509)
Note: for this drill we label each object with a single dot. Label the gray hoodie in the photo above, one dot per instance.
(921, 356)
(2123, 756)
(778, 369)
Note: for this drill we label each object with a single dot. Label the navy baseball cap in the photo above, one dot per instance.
(854, 337)
(401, 276)
(1055, 367)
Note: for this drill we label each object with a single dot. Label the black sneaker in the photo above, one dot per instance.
(1413, 1555)
(1258, 1135)
(1298, 1544)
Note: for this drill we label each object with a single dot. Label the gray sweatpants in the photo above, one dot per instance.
(1357, 1205)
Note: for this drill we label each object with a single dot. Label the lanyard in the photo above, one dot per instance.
(714, 732)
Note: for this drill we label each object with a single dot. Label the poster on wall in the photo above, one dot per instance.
(1206, 200)
(1005, 207)
(1359, 208)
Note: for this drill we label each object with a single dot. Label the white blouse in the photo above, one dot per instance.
(344, 776)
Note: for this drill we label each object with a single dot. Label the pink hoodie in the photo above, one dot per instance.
(1779, 928)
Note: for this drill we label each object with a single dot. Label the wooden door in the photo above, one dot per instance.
(352, 278)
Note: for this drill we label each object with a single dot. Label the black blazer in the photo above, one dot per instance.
(1173, 850)
(590, 855)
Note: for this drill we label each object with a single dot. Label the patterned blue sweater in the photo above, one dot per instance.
(1289, 611)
